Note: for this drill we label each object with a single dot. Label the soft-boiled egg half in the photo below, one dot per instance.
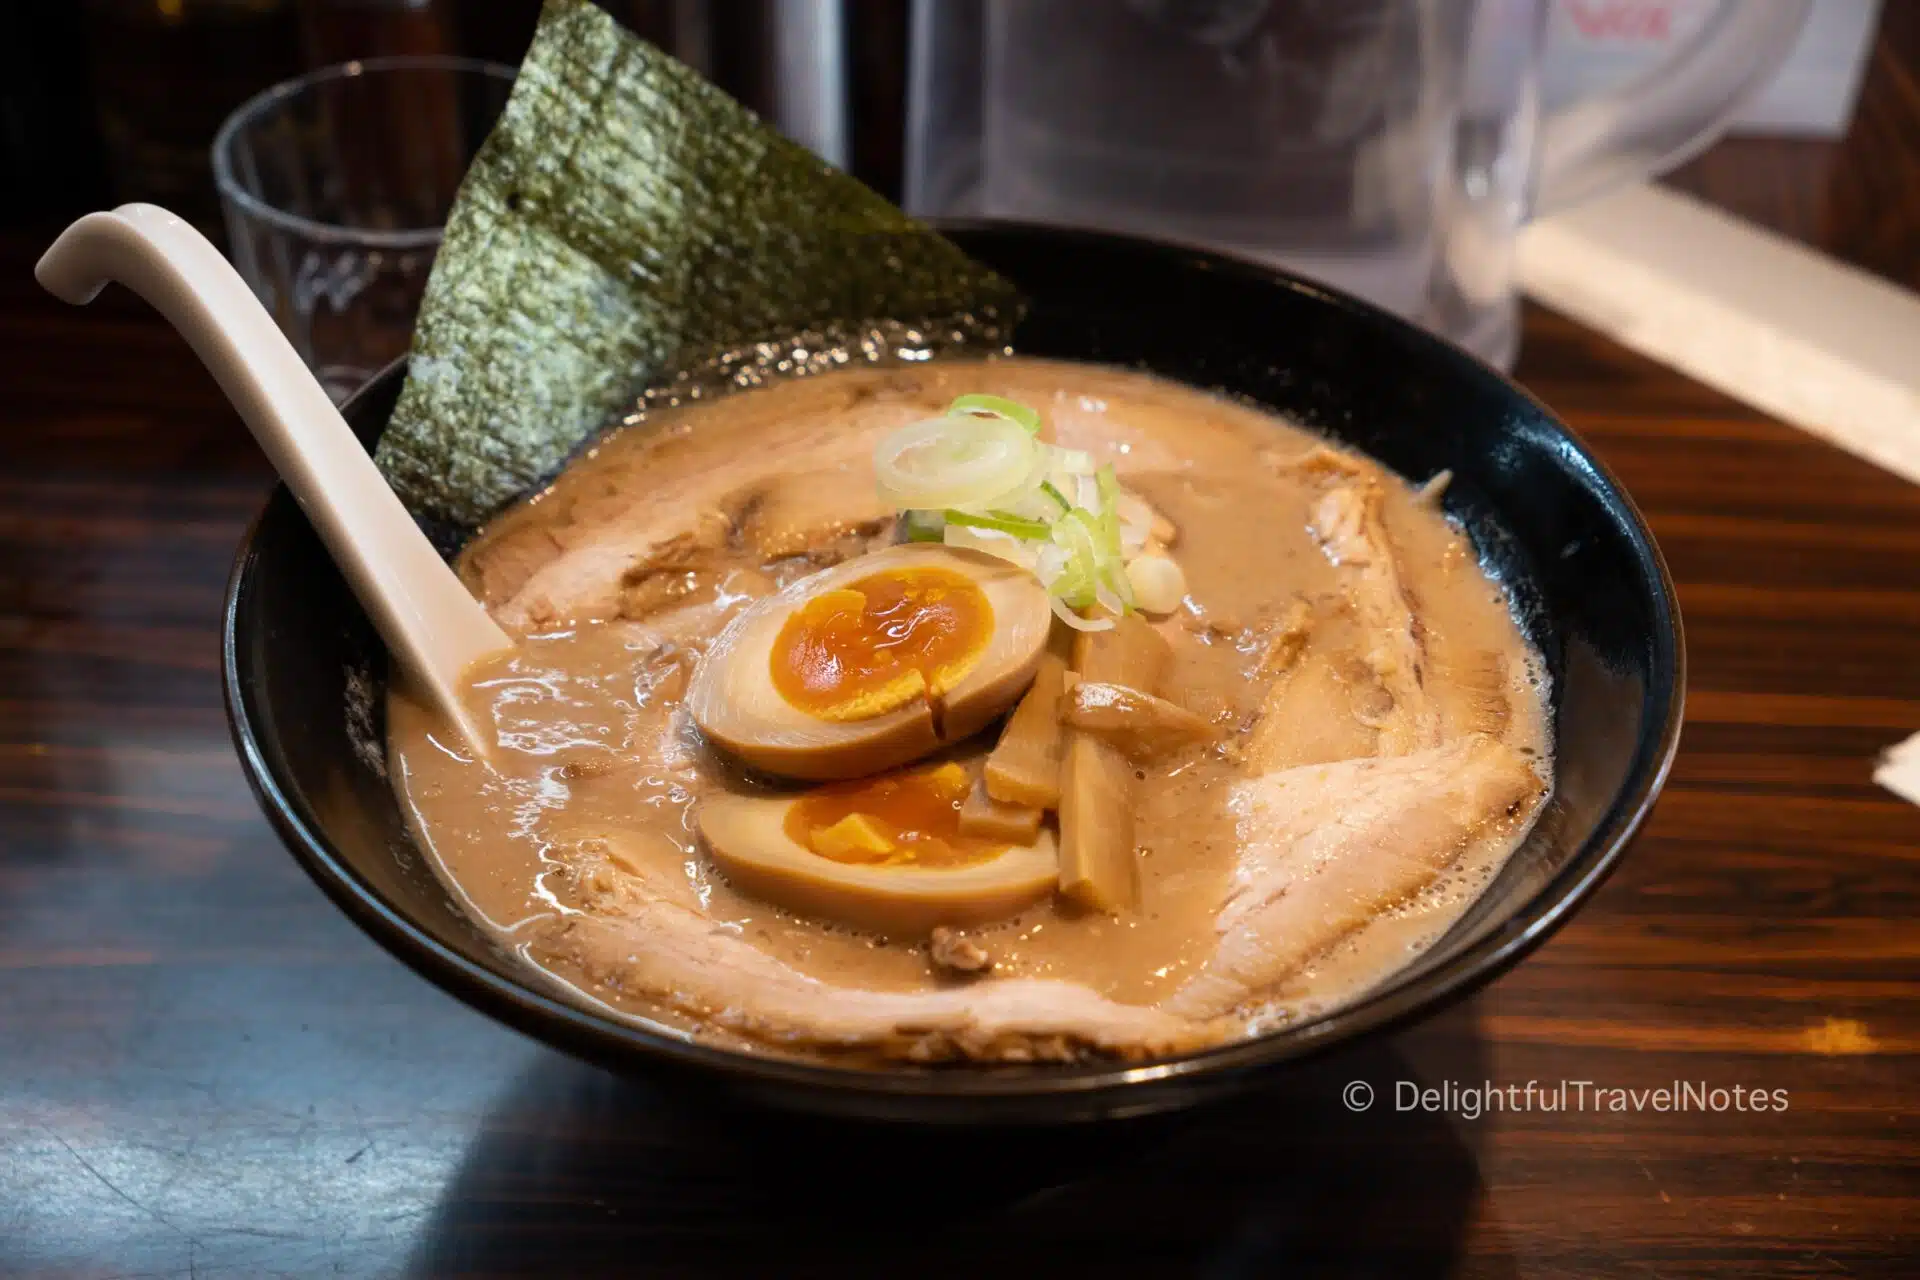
(872, 664)
(885, 853)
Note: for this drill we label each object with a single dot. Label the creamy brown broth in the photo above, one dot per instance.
(650, 543)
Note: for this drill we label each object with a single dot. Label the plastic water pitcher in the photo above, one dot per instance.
(1391, 148)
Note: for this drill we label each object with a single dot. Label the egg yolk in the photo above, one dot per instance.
(878, 643)
(901, 819)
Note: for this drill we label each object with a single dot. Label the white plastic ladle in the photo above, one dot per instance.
(431, 625)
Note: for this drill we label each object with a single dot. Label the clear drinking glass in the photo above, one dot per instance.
(336, 186)
(1392, 148)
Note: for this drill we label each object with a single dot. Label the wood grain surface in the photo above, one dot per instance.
(204, 1070)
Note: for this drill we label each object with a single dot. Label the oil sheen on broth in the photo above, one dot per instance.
(1361, 679)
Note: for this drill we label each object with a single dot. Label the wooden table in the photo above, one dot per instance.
(205, 1070)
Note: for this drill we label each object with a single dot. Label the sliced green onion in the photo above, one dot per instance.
(978, 478)
(953, 462)
(1087, 528)
(1027, 500)
(1001, 522)
(1102, 571)
(1112, 562)
(1078, 583)
(1109, 488)
(1012, 550)
(997, 407)
(1065, 613)
(923, 526)
(1031, 504)
(1075, 589)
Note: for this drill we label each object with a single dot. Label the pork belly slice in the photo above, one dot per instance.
(638, 941)
(1325, 848)
(1316, 711)
(569, 557)
(1349, 524)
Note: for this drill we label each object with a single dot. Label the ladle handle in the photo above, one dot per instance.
(431, 625)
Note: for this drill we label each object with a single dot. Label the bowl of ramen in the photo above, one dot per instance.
(1230, 671)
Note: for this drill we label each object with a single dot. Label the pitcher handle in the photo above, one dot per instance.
(1673, 110)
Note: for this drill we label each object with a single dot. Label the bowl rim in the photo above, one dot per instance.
(608, 1039)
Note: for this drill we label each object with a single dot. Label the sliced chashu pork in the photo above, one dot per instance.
(824, 514)
(1349, 526)
(817, 517)
(602, 570)
(641, 943)
(1389, 696)
(571, 555)
(1316, 709)
(1325, 848)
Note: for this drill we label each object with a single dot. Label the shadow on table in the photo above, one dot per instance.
(579, 1172)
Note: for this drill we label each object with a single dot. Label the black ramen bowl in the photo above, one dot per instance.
(1589, 585)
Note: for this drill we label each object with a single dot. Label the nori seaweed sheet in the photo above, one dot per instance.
(629, 231)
